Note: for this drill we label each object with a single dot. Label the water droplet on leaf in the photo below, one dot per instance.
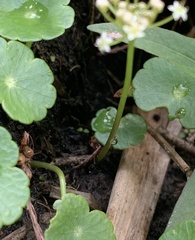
(108, 118)
(180, 113)
(32, 11)
(180, 91)
(114, 141)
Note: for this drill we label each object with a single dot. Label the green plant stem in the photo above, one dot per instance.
(107, 16)
(55, 169)
(162, 22)
(121, 106)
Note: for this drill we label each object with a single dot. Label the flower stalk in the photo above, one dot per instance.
(132, 19)
(122, 102)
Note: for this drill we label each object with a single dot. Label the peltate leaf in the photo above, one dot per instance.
(14, 191)
(184, 230)
(131, 130)
(74, 221)
(25, 83)
(33, 20)
(162, 84)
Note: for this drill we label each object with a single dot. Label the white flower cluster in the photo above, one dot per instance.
(133, 18)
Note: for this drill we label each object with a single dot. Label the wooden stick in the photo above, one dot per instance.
(138, 182)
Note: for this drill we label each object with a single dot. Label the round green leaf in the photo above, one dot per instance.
(25, 83)
(33, 20)
(104, 120)
(131, 131)
(184, 230)
(74, 221)
(162, 84)
(14, 191)
(8, 150)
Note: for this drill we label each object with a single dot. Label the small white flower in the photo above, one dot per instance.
(149, 14)
(103, 42)
(179, 11)
(134, 31)
(142, 5)
(144, 22)
(121, 12)
(127, 17)
(122, 4)
(102, 4)
(157, 5)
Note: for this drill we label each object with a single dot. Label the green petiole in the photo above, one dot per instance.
(55, 169)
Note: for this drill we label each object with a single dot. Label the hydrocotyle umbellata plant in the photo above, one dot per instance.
(73, 219)
(135, 24)
(25, 83)
(26, 93)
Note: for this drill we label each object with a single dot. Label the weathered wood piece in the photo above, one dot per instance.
(138, 182)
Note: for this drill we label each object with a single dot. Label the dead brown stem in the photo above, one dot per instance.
(18, 234)
(33, 216)
(170, 151)
(177, 142)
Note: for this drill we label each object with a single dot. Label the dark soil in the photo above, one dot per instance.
(85, 81)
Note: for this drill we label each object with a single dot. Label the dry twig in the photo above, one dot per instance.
(26, 153)
(170, 151)
(177, 142)
(18, 234)
(33, 216)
